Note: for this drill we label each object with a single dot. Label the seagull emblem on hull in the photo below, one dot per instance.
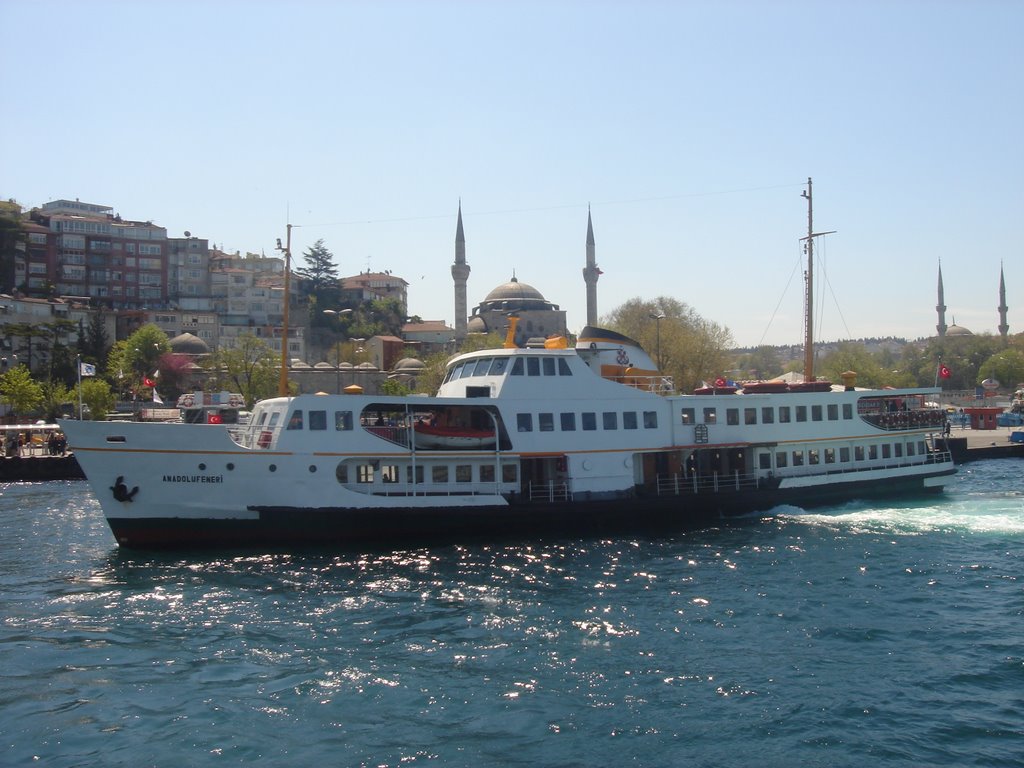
(121, 492)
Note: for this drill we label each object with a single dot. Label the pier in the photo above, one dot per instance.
(974, 444)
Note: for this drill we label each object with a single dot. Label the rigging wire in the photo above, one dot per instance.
(828, 283)
(796, 267)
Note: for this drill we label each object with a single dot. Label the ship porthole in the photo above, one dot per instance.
(272, 467)
(231, 466)
(312, 467)
(587, 464)
(202, 467)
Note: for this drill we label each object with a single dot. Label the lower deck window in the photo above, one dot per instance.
(439, 474)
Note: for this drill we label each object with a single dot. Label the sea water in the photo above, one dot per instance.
(864, 634)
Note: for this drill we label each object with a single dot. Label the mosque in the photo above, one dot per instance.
(955, 330)
(538, 317)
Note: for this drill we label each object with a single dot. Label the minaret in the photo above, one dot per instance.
(460, 274)
(1003, 325)
(941, 307)
(591, 273)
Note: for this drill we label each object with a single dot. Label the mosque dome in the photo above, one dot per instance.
(514, 292)
(409, 365)
(958, 330)
(476, 324)
(187, 344)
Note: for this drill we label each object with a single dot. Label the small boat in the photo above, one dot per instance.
(716, 390)
(437, 436)
(758, 387)
(810, 386)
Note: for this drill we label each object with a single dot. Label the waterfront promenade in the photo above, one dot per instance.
(973, 444)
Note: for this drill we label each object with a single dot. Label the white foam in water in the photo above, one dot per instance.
(1002, 513)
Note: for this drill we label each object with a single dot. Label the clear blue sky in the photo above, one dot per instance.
(690, 128)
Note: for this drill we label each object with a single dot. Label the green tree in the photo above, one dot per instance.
(12, 235)
(762, 363)
(54, 348)
(394, 387)
(20, 391)
(28, 333)
(55, 399)
(963, 355)
(320, 274)
(853, 356)
(250, 368)
(97, 398)
(94, 342)
(136, 358)
(692, 349)
(1006, 367)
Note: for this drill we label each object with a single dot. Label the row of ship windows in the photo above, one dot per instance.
(829, 455)
(521, 366)
(365, 474)
(767, 414)
(588, 421)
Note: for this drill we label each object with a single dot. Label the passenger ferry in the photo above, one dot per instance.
(547, 438)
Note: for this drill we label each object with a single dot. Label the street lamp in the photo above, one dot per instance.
(282, 384)
(657, 329)
(337, 312)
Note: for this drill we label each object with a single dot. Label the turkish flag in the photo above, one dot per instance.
(148, 382)
(944, 372)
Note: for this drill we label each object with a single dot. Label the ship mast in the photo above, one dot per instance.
(809, 279)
